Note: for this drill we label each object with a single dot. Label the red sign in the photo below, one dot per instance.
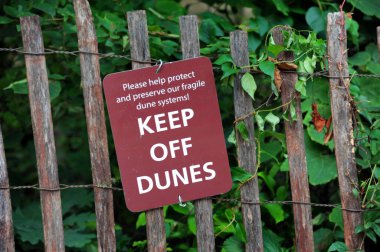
(168, 133)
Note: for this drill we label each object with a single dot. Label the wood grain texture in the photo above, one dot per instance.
(39, 99)
(246, 149)
(343, 129)
(6, 224)
(96, 127)
(296, 154)
(203, 207)
(138, 36)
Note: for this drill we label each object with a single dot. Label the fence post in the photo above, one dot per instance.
(203, 207)
(6, 225)
(138, 35)
(342, 116)
(295, 145)
(96, 127)
(39, 99)
(246, 149)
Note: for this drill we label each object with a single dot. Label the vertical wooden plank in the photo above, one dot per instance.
(296, 154)
(203, 207)
(246, 149)
(138, 35)
(39, 99)
(96, 127)
(6, 224)
(343, 129)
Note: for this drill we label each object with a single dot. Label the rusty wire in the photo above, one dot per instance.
(156, 61)
(76, 53)
(220, 199)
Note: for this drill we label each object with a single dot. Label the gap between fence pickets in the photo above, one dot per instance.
(246, 148)
(96, 126)
(6, 223)
(42, 124)
(139, 41)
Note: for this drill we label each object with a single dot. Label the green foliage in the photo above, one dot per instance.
(304, 36)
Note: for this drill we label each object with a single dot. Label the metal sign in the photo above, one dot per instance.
(168, 133)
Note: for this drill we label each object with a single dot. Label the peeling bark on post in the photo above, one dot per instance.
(296, 154)
(342, 116)
(6, 224)
(138, 35)
(39, 99)
(96, 127)
(246, 149)
(203, 207)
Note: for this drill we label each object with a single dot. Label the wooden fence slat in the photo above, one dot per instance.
(96, 127)
(203, 207)
(296, 154)
(138, 36)
(42, 124)
(6, 225)
(246, 149)
(343, 129)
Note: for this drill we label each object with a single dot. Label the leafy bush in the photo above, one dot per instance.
(307, 41)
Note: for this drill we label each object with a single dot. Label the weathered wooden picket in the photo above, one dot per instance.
(96, 127)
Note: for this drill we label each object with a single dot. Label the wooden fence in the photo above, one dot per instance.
(96, 127)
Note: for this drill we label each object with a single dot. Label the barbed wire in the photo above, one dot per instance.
(260, 203)
(48, 51)
(76, 53)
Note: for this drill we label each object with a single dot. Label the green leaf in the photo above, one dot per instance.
(368, 7)
(46, 7)
(260, 122)
(209, 31)
(321, 166)
(336, 217)
(11, 11)
(75, 239)
(5, 20)
(228, 70)
(273, 120)
(224, 58)
(249, 85)
(19, 87)
(353, 30)
(242, 129)
(274, 50)
(276, 212)
(315, 18)
(28, 223)
(232, 137)
(267, 67)
(239, 174)
(191, 224)
(309, 64)
(323, 237)
(338, 246)
(54, 89)
(281, 6)
(272, 242)
(360, 59)
(301, 87)
(141, 220)
(233, 244)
